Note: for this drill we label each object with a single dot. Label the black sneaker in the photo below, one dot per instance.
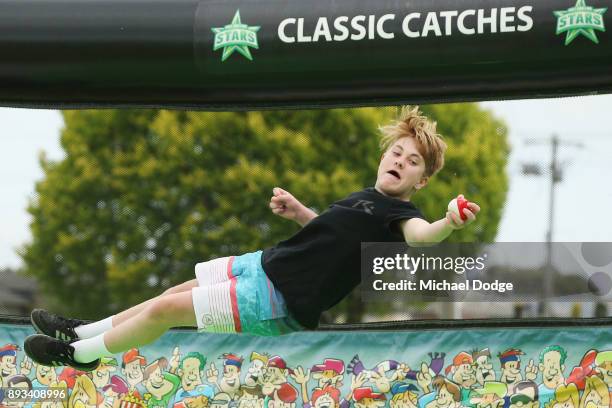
(55, 326)
(52, 352)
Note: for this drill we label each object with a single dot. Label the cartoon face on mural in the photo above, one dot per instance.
(525, 395)
(511, 372)
(329, 373)
(327, 397)
(596, 394)
(101, 375)
(327, 377)
(230, 382)
(155, 381)
(84, 393)
(276, 375)
(464, 375)
(551, 366)
(8, 368)
(325, 401)
(448, 394)
(483, 366)
(45, 375)
(255, 372)
(566, 396)
(462, 371)
(444, 398)
(273, 378)
(190, 373)
(133, 373)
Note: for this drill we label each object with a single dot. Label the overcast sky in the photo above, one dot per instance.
(583, 198)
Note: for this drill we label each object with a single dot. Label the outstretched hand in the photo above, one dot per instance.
(455, 222)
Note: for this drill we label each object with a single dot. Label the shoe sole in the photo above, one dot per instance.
(79, 366)
(86, 368)
(26, 349)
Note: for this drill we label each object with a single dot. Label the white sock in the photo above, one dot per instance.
(88, 350)
(90, 330)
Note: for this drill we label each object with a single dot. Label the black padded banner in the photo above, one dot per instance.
(271, 53)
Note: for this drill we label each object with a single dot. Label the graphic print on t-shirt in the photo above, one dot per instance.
(368, 206)
(319, 265)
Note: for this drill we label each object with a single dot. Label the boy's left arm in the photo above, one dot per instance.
(418, 232)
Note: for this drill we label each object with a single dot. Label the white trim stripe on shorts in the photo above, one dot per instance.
(214, 300)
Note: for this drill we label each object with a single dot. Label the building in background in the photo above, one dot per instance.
(18, 294)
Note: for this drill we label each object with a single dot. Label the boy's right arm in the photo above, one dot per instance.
(418, 232)
(287, 206)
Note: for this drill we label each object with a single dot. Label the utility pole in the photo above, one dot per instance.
(556, 176)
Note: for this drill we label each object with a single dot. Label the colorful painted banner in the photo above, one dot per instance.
(425, 368)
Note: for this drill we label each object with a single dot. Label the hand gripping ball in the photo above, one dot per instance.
(457, 205)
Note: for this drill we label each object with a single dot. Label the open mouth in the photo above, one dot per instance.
(394, 174)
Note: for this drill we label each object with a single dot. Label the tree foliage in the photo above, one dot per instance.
(141, 196)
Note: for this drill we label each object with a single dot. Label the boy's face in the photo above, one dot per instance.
(401, 169)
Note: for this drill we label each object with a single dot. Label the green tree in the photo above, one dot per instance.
(475, 165)
(141, 196)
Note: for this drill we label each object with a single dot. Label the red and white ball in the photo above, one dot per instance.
(457, 205)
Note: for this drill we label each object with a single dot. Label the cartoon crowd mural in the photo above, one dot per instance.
(502, 368)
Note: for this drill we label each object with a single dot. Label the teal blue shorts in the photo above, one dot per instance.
(235, 296)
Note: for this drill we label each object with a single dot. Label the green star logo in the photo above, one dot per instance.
(580, 19)
(236, 37)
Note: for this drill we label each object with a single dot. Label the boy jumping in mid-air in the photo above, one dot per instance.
(283, 288)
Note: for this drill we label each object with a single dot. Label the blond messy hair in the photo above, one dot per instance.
(411, 123)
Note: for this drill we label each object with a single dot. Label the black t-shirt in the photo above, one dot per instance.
(320, 264)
